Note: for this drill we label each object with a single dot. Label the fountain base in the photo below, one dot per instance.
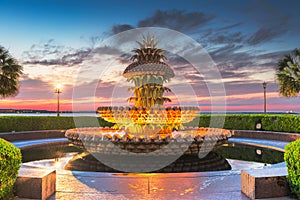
(186, 163)
(175, 152)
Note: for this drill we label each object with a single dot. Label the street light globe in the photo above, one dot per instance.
(264, 84)
(58, 86)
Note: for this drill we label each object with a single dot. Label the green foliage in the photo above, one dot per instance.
(292, 159)
(10, 160)
(23, 123)
(288, 74)
(269, 122)
(10, 73)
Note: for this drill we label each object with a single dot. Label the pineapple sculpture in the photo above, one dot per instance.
(148, 71)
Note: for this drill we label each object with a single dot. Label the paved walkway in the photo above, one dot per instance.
(204, 185)
(83, 185)
(223, 185)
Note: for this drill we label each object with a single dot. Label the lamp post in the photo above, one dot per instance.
(58, 91)
(265, 97)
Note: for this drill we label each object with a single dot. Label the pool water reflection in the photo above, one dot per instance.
(239, 156)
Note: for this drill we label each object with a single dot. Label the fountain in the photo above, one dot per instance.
(148, 137)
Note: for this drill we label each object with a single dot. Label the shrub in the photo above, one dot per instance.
(26, 123)
(269, 122)
(292, 159)
(10, 160)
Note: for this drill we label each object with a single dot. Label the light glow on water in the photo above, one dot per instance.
(55, 163)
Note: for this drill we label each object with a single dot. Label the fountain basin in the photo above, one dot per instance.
(116, 150)
(112, 141)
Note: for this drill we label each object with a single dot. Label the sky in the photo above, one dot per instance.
(63, 42)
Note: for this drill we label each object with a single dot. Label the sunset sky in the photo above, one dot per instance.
(57, 42)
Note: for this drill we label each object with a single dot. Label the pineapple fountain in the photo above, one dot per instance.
(148, 137)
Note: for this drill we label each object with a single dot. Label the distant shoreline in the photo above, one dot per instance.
(17, 111)
(94, 113)
(13, 112)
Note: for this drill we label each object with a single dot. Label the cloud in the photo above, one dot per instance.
(51, 53)
(263, 35)
(28, 82)
(34, 88)
(235, 62)
(234, 57)
(231, 26)
(186, 22)
(233, 74)
(40, 51)
(226, 38)
(225, 50)
(107, 50)
(69, 59)
(120, 28)
(241, 87)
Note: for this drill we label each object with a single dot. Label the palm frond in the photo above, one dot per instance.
(10, 72)
(288, 74)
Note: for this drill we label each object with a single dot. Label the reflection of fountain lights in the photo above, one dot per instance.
(186, 191)
(54, 163)
(258, 152)
(164, 186)
(146, 174)
(57, 163)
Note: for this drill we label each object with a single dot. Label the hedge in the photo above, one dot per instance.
(25, 123)
(10, 160)
(292, 159)
(269, 122)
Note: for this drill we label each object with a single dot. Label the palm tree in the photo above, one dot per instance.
(288, 74)
(10, 72)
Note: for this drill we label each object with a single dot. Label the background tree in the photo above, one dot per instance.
(288, 74)
(10, 72)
